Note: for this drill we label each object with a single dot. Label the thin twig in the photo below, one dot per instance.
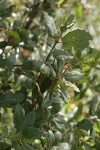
(17, 65)
(65, 71)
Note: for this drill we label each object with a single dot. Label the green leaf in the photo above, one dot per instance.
(17, 25)
(87, 146)
(64, 95)
(70, 19)
(36, 91)
(80, 132)
(73, 76)
(63, 146)
(31, 132)
(5, 130)
(6, 63)
(60, 66)
(42, 116)
(3, 44)
(45, 69)
(37, 65)
(58, 137)
(46, 83)
(5, 11)
(49, 22)
(93, 105)
(10, 99)
(23, 34)
(56, 104)
(28, 121)
(14, 37)
(52, 71)
(58, 54)
(77, 39)
(47, 101)
(19, 115)
(27, 147)
(68, 83)
(85, 124)
(50, 139)
(96, 126)
(3, 24)
(28, 65)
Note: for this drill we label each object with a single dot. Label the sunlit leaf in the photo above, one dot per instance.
(77, 39)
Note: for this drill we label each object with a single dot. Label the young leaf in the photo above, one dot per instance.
(77, 39)
(80, 132)
(14, 37)
(70, 19)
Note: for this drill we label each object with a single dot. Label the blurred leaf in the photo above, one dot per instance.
(10, 99)
(85, 124)
(80, 132)
(36, 91)
(45, 69)
(60, 66)
(93, 105)
(49, 21)
(59, 54)
(27, 147)
(3, 44)
(50, 139)
(3, 24)
(69, 84)
(42, 116)
(87, 146)
(5, 130)
(29, 120)
(5, 63)
(5, 9)
(64, 146)
(31, 132)
(97, 126)
(77, 39)
(47, 101)
(19, 115)
(23, 34)
(58, 137)
(14, 37)
(56, 105)
(70, 19)
(73, 76)
(64, 95)
(17, 25)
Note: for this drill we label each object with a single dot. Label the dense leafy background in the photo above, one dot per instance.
(49, 75)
